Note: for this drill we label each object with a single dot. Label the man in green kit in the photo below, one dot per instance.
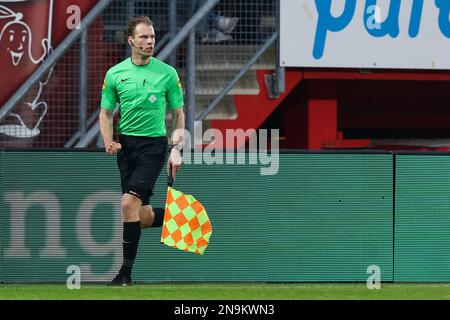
(144, 86)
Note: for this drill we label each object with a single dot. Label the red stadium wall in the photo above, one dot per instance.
(349, 109)
(32, 19)
(62, 90)
(325, 109)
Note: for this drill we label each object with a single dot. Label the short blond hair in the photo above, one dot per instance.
(135, 21)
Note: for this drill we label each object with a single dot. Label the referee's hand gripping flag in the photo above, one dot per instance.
(186, 224)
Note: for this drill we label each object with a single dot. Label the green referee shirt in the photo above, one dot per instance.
(143, 93)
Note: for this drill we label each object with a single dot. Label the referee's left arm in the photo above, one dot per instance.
(175, 103)
(177, 141)
(178, 126)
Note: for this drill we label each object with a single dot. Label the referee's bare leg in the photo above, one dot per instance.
(146, 216)
(130, 208)
(151, 217)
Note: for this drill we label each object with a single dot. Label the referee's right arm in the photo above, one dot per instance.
(108, 103)
(107, 131)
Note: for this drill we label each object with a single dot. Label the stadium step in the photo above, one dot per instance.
(211, 82)
(216, 66)
(219, 57)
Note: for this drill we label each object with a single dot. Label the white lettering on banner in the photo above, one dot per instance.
(86, 239)
(377, 33)
(20, 205)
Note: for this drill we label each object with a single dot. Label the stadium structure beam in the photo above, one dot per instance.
(190, 83)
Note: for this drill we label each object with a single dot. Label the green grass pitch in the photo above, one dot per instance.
(244, 291)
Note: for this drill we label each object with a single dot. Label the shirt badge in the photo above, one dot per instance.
(152, 98)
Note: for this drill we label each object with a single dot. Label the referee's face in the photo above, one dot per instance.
(143, 42)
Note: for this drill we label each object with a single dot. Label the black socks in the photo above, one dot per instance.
(159, 217)
(131, 236)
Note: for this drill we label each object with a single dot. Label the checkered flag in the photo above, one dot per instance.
(186, 223)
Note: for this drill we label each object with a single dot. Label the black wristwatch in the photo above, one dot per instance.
(177, 146)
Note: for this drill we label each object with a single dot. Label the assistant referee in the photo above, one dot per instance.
(144, 86)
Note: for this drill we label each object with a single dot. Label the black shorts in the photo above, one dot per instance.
(140, 163)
